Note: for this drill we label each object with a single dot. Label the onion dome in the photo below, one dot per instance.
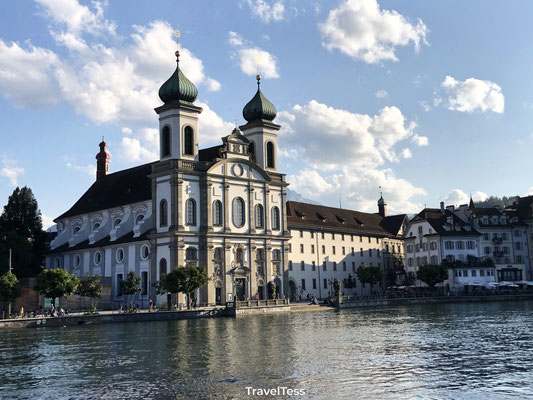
(259, 108)
(178, 87)
(381, 201)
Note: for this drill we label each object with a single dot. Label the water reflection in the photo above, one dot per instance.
(432, 351)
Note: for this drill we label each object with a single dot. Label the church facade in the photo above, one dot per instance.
(222, 208)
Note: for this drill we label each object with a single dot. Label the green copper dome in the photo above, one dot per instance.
(259, 108)
(382, 202)
(178, 87)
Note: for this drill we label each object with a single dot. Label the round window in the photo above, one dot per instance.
(97, 258)
(145, 252)
(120, 255)
(57, 262)
(77, 261)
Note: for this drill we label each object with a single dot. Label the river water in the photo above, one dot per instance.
(445, 351)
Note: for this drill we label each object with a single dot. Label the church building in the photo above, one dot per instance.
(222, 208)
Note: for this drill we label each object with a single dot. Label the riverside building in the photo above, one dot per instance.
(330, 243)
(222, 208)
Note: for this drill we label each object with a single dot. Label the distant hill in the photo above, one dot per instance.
(495, 201)
(295, 196)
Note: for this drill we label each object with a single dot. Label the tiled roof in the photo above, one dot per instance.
(437, 219)
(313, 216)
(119, 188)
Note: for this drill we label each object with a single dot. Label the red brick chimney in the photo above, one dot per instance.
(102, 161)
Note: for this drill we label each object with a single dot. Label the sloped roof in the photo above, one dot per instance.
(106, 241)
(119, 188)
(210, 153)
(393, 223)
(314, 216)
(437, 219)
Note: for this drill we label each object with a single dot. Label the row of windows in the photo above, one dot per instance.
(116, 223)
(418, 261)
(314, 283)
(239, 214)
(459, 244)
(166, 140)
(503, 249)
(97, 257)
(341, 235)
(473, 272)
(502, 236)
(334, 250)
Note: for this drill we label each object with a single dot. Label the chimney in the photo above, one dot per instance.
(102, 161)
(442, 207)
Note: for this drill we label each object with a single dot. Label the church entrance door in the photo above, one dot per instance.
(240, 288)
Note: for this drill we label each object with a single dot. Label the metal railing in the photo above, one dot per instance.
(257, 303)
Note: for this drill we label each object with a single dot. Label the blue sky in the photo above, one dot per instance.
(430, 100)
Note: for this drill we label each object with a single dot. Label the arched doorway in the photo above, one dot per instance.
(293, 290)
(277, 283)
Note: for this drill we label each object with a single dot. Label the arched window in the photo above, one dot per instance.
(217, 213)
(120, 255)
(238, 212)
(188, 146)
(259, 216)
(117, 222)
(145, 252)
(76, 230)
(96, 226)
(163, 213)
(190, 212)
(270, 155)
(162, 266)
(97, 258)
(260, 255)
(191, 254)
(240, 255)
(165, 142)
(139, 218)
(276, 255)
(251, 150)
(275, 218)
(219, 253)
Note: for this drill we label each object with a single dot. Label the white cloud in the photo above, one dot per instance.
(380, 94)
(309, 182)
(331, 138)
(77, 18)
(141, 146)
(406, 153)
(529, 192)
(267, 11)
(473, 94)
(212, 126)
(425, 106)
(11, 170)
(48, 222)
(360, 29)
(253, 60)
(26, 75)
(85, 169)
(420, 140)
(457, 197)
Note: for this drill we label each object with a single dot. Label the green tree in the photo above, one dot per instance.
(21, 231)
(131, 285)
(370, 275)
(170, 283)
(10, 289)
(390, 277)
(90, 286)
(56, 283)
(350, 282)
(409, 279)
(431, 274)
(190, 279)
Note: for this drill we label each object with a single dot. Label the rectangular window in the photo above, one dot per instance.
(312, 235)
(312, 249)
(301, 233)
(119, 289)
(343, 251)
(333, 249)
(360, 238)
(314, 283)
(351, 238)
(378, 252)
(505, 250)
(342, 236)
(324, 266)
(487, 250)
(519, 259)
(460, 245)
(290, 265)
(485, 236)
(323, 249)
(302, 266)
(334, 265)
(303, 284)
(420, 231)
(481, 272)
(361, 252)
(518, 246)
(290, 248)
(144, 287)
(322, 235)
(370, 252)
(353, 251)
(470, 244)
(377, 240)
(353, 266)
(473, 272)
(504, 236)
(325, 283)
(448, 245)
(344, 265)
(369, 239)
(332, 236)
(465, 273)
(313, 266)
(301, 248)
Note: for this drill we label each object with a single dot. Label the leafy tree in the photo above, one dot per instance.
(90, 286)
(370, 275)
(131, 285)
(350, 282)
(56, 283)
(431, 274)
(190, 279)
(21, 231)
(336, 287)
(10, 289)
(494, 201)
(409, 279)
(390, 277)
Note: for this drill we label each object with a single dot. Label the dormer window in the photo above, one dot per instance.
(139, 218)
(341, 220)
(321, 217)
(76, 230)
(96, 226)
(117, 222)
